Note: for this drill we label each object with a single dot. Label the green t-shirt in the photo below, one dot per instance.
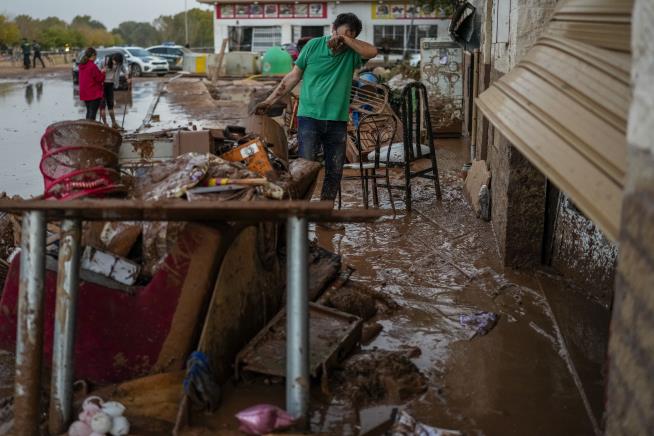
(327, 81)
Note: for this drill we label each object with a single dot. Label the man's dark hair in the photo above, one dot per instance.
(350, 20)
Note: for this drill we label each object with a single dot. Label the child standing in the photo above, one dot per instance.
(114, 67)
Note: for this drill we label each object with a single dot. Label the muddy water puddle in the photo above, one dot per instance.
(438, 264)
(27, 107)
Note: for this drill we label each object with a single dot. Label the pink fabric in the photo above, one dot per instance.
(263, 418)
(91, 81)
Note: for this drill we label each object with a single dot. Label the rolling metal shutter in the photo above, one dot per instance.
(565, 105)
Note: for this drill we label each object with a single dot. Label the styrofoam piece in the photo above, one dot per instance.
(109, 265)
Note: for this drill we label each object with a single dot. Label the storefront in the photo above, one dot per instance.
(257, 26)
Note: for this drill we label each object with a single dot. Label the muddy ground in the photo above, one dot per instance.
(438, 263)
(435, 264)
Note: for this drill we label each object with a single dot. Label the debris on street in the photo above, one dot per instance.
(406, 425)
(480, 322)
(370, 377)
(263, 418)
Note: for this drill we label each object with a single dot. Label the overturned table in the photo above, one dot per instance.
(36, 214)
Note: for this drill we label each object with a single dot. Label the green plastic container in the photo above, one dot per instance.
(276, 61)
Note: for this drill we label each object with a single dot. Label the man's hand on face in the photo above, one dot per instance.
(336, 42)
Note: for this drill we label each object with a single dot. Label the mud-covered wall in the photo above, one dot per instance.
(518, 204)
(581, 252)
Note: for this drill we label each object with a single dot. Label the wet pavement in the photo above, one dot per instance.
(28, 106)
(437, 263)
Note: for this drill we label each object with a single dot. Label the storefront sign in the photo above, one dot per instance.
(271, 10)
(404, 11)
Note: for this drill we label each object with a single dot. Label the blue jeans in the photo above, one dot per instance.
(331, 136)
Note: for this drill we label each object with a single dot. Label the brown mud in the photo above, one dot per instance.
(434, 265)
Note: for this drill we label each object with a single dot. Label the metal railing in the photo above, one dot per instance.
(29, 338)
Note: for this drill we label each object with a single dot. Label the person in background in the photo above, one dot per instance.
(25, 46)
(114, 66)
(36, 48)
(91, 83)
(326, 66)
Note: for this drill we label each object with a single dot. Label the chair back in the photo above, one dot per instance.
(375, 131)
(414, 111)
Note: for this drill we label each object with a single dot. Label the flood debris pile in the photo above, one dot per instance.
(376, 376)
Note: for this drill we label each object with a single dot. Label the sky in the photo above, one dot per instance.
(109, 12)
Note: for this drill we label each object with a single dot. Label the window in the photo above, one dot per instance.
(389, 38)
(265, 37)
(421, 31)
(240, 39)
(397, 39)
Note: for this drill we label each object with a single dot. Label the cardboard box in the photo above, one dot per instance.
(271, 132)
(198, 141)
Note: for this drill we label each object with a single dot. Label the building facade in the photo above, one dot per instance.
(256, 26)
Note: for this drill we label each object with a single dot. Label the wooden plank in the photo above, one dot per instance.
(182, 210)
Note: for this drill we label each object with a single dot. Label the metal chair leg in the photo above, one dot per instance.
(407, 183)
(375, 196)
(366, 190)
(390, 191)
(434, 168)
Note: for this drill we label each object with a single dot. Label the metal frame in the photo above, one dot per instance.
(29, 338)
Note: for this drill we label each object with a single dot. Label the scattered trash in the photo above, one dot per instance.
(352, 301)
(478, 175)
(380, 375)
(399, 82)
(484, 203)
(80, 159)
(369, 331)
(406, 425)
(332, 335)
(200, 382)
(109, 265)
(99, 418)
(481, 322)
(263, 418)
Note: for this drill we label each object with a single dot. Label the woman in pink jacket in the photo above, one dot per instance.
(91, 83)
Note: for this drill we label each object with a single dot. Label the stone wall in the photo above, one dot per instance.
(583, 254)
(518, 204)
(630, 405)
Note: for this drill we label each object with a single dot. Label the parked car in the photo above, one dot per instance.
(141, 62)
(102, 54)
(174, 54)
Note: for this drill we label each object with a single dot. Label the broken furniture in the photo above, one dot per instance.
(80, 159)
(333, 334)
(418, 141)
(368, 97)
(374, 132)
(30, 294)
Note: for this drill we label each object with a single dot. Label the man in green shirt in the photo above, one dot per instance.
(325, 66)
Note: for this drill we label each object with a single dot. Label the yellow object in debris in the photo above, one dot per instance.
(215, 182)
